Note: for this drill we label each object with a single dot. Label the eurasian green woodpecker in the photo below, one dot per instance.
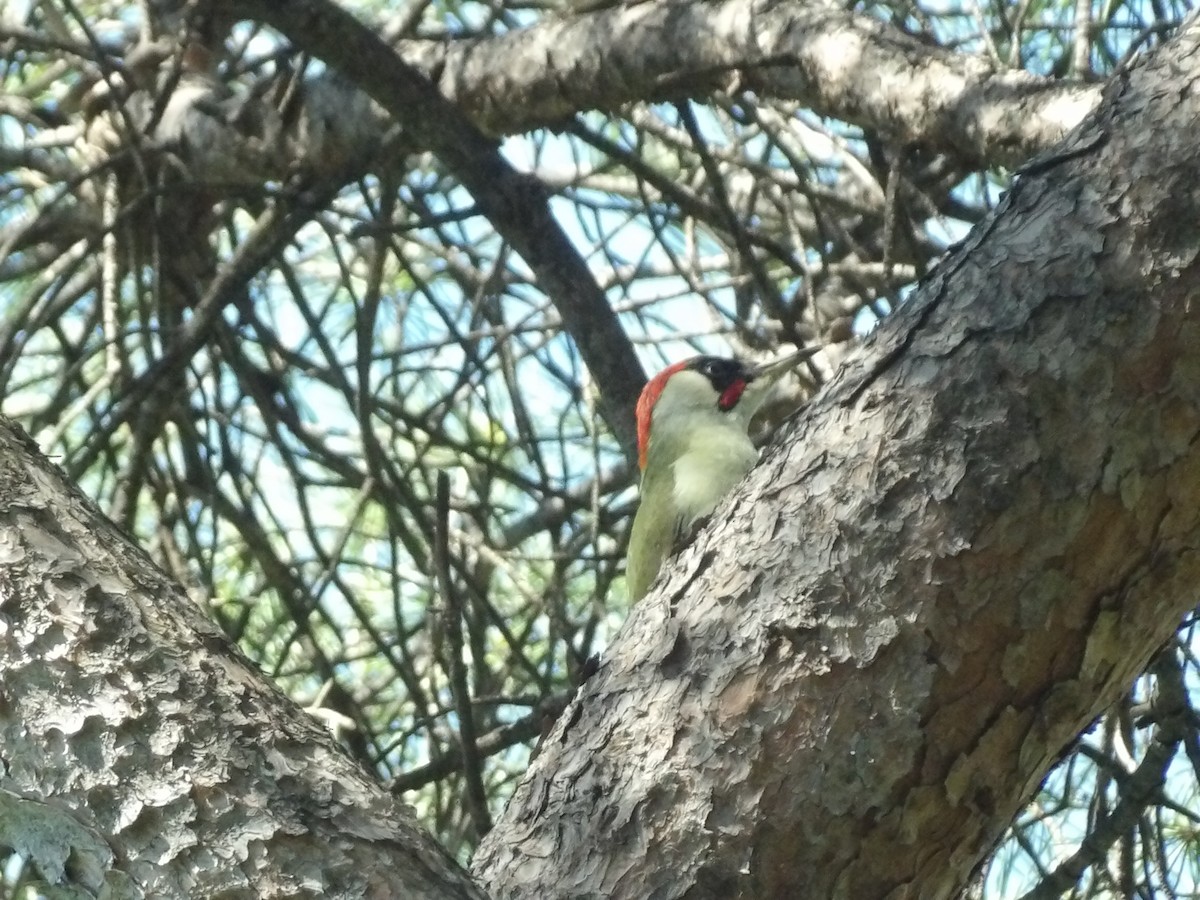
(693, 420)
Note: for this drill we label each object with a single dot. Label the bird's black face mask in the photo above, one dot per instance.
(729, 378)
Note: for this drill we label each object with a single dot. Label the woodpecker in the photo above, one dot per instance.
(693, 421)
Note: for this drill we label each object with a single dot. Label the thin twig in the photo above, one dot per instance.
(1138, 791)
(452, 615)
(524, 729)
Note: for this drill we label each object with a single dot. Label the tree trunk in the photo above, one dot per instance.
(965, 551)
(968, 548)
(143, 755)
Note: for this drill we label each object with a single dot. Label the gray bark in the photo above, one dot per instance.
(334, 128)
(965, 551)
(841, 64)
(143, 756)
(605, 55)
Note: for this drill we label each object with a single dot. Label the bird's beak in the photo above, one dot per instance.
(763, 378)
(775, 369)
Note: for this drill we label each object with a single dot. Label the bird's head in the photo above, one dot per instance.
(707, 390)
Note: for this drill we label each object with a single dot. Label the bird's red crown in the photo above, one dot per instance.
(645, 406)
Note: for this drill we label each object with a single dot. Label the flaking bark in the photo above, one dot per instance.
(142, 756)
(842, 64)
(964, 552)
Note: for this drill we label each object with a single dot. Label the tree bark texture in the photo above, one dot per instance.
(962, 553)
(142, 756)
(843, 64)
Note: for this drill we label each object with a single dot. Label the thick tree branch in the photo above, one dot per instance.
(971, 545)
(842, 64)
(143, 756)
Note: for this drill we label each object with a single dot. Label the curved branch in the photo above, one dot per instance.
(842, 64)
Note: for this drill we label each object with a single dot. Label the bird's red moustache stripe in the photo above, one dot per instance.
(731, 395)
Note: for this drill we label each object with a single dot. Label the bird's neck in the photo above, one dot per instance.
(706, 460)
